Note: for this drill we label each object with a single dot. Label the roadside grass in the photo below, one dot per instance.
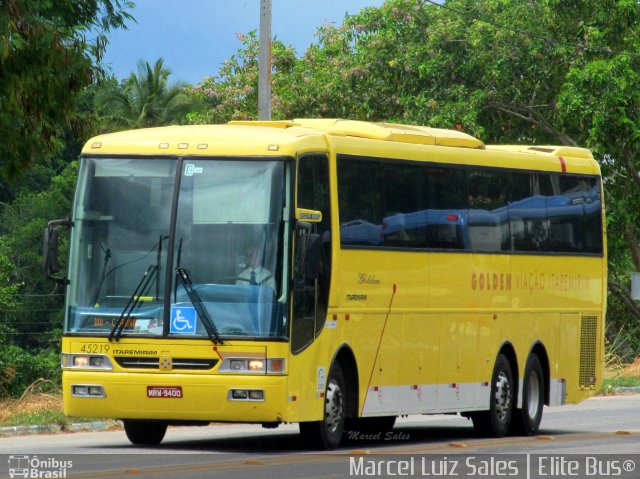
(34, 407)
(37, 418)
(619, 376)
(39, 405)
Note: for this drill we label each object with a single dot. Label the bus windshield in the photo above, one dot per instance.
(227, 235)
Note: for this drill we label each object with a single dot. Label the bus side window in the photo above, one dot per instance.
(360, 201)
(528, 222)
(566, 214)
(487, 216)
(447, 200)
(593, 218)
(405, 205)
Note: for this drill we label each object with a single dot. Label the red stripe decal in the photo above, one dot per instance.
(384, 326)
(563, 165)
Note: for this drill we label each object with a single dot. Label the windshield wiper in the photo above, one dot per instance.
(108, 255)
(195, 299)
(134, 301)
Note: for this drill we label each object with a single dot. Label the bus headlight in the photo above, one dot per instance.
(237, 365)
(256, 365)
(253, 365)
(87, 390)
(243, 365)
(246, 395)
(85, 361)
(81, 361)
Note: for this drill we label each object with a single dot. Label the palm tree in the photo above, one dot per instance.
(144, 99)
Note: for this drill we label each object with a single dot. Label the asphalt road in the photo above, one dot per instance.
(607, 428)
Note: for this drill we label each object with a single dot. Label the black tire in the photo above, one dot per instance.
(526, 421)
(495, 422)
(368, 427)
(145, 433)
(327, 434)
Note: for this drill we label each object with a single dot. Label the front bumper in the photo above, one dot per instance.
(203, 397)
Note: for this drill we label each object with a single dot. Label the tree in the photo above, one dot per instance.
(45, 61)
(144, 99)
(31, 304)
(31, 308)
(233, 93)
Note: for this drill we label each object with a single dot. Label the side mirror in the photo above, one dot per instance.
(50, 250)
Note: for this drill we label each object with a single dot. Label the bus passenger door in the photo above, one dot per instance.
(313, 247)
(311, 277)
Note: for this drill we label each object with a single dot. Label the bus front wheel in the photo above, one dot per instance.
(327, 433)
(495, 422)
(145, 433)
(526, 421)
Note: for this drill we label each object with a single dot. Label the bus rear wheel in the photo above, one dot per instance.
(327, 433)
(526, 421)
(145, 433)
(495, 422)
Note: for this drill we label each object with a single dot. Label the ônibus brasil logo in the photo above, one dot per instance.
(34, 467)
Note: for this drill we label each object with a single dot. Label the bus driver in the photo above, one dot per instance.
(255, 273)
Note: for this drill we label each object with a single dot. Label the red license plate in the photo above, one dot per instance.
(164, 392)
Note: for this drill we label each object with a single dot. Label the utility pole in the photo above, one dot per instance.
(264, 62)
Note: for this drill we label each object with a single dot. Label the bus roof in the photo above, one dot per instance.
(391, 132)
(277, 138)
(199, 140)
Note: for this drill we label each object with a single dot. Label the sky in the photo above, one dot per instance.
(195, 36)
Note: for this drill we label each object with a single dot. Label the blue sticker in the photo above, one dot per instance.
(183, 320)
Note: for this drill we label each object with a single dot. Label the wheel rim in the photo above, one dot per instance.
(334, 406)
(503, 396)
(533, 395)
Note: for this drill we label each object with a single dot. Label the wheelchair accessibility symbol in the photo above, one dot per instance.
(183, 320)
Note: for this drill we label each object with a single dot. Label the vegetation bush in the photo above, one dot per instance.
(19, 368)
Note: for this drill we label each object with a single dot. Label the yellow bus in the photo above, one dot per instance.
(332, 273)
